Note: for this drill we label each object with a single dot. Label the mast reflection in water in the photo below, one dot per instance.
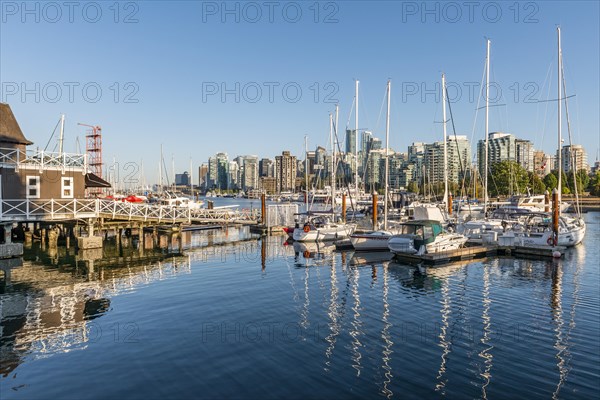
(257, 318)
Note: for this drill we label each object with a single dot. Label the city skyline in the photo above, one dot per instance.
(215, 82)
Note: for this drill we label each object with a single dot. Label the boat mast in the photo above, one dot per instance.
(62, 134)
(306, 172)
(191, 178)
(445, 144)
(356, 144)
(160, 182)
(331, 173)
(335, 134)
(387, 156)
(559, 155)
(487, 118)
(572, 159)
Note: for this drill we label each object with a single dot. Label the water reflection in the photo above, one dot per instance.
(356, 324)
(387, 338)
(363, 304)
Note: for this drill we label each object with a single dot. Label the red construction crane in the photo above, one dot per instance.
(93, 148)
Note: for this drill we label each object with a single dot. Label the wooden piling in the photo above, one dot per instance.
(263, 208)
(450, 203)
(375, 211)
(344, 207)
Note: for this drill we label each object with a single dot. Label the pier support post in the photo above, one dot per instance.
(450, 203)
(375, 211)
(9, 249)
(344, 207)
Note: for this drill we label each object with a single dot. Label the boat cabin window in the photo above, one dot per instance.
(428, 232)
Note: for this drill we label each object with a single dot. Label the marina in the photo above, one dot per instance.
(299, 200)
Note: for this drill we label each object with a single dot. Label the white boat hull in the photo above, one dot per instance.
(402, 244)
(322, 234)
(370, 241)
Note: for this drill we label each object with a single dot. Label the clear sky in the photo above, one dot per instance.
(256, 77)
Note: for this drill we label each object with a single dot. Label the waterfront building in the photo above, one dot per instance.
(351, 136)
(218, 171)
(268, 184)
(203, 175)
(182, 179)
(266, 167)
(524, 154)
(250, 173)
(501, 147)
(542, 163)
(233, 176)
(285, 172)
(28, 174)
(574, 156)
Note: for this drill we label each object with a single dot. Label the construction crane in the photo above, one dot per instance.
(93, 149)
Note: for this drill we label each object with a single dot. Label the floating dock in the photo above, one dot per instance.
(475, 252)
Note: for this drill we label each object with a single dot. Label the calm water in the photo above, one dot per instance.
(257, 319)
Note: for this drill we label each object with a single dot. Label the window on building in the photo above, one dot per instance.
(32, 187)
(66, 188)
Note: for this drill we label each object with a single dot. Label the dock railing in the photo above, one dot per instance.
(31, 210)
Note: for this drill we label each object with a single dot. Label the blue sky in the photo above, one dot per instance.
(161, 68)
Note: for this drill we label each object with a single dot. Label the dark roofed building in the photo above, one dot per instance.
(36, 174)
(10, 131)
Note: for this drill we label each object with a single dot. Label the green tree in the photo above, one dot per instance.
(583, 180)
(413, 187)
(536, 183)
(594, 184)
(551, 181)
(507, 177)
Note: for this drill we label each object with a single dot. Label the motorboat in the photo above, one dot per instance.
(424, 237)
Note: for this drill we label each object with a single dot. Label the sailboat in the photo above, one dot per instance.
(535, 228)
(324, 227)
(571, 231)
(378, 240)
(426, 235)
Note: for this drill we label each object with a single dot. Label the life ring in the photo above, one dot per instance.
(550, 241)
(306, 254)
(306, 228)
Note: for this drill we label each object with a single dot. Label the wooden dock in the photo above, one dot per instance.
(476, 252)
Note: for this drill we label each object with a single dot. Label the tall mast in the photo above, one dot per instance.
(487, 120)
(387, 156)
(191, 178)
(445, 144)
(160, 166)
(173, 171)
(356, 143)
(331, 164)
(62, 134)
(559, 155)
(306, 172)
(335, 135)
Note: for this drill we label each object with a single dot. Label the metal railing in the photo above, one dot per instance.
(42, 159)
(72, 209)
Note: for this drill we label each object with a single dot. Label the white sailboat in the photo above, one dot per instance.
(377, 240)
(325, 227)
